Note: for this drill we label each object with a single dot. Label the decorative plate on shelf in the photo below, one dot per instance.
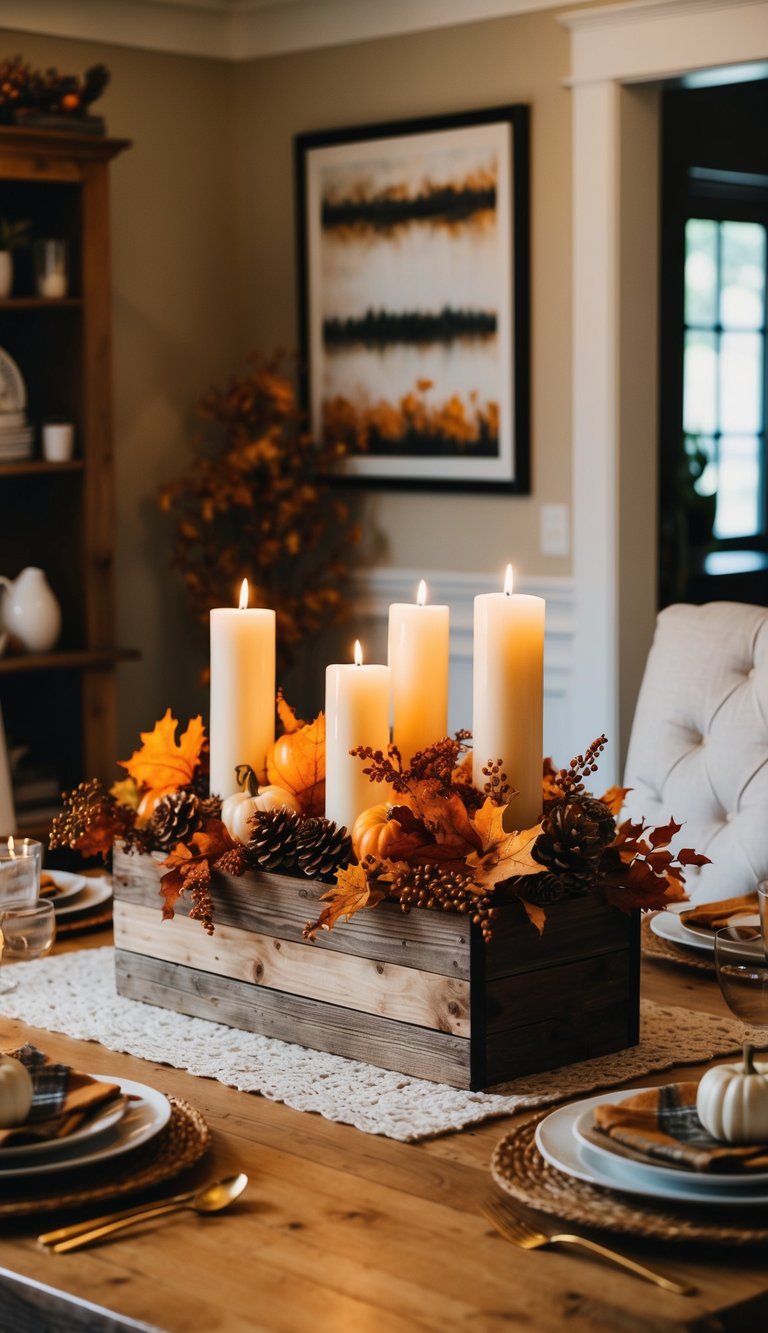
(13, 391)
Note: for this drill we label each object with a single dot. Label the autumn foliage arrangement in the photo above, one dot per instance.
(431, 840)
(255, 500)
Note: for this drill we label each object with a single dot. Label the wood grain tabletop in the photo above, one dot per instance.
(343, 1232)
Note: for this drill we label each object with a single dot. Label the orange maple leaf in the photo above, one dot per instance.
(614, 798)
(502, 855)
(353, 890)
(162, 765)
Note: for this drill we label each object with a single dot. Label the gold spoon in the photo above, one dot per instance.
(211, 1199)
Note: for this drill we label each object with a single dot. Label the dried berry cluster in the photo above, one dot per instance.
(443, 890)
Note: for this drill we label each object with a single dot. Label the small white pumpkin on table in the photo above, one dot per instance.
(15, 1092)
(732, 1101)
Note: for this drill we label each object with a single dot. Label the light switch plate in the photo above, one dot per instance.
(554, 531)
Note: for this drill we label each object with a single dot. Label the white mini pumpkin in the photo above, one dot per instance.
(732, 1101)
(15, 1092)
(236, 810)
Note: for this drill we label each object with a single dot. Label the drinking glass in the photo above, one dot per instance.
(762, 899)
(25, 933)
(21, 861)
(742, 971)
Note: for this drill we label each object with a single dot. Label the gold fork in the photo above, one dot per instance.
(520, 1233)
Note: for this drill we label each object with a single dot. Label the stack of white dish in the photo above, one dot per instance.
(134, 1118)
(668, 926)
(567, 1141)
(16, 434)
(75, 896)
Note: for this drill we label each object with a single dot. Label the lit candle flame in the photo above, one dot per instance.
(421, 595)
(508, 581)
(358, 653)
(243, 595)
(10, 848)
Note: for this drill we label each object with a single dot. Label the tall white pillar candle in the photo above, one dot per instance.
(418, 659)
(242, 725)
(356, 713)
(508, 696)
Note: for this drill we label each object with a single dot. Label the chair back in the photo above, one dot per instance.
(699, 744)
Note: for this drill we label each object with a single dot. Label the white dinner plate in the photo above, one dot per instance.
(96, 891)
(147, 1113)
(668, 926)
(13, 392)
(650, 1171)
(67, 886)
(557, 1143)
(97, 1124)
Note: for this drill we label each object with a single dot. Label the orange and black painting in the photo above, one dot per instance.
(409, 300)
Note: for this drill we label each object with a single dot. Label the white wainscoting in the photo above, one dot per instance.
(374, 589)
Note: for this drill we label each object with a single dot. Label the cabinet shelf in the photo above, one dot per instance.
(72, 659)
(40, 303)
(30, 467)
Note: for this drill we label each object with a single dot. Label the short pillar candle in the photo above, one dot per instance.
(356, 713)
(508, 696)
(242, 724)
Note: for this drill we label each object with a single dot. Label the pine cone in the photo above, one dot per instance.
(210, 807)
(174, 819)
(570, 843)
(598, 811)
(272, 845)
(543, 889)
(322, 847)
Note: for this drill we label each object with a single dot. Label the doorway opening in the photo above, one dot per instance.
(713, 464)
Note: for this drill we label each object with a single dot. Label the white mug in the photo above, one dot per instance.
(58, 441)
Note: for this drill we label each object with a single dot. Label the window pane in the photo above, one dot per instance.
(738, 507)
(742, 295)
(741, 382)
(700, 271)
(700, 384)
(701, 462)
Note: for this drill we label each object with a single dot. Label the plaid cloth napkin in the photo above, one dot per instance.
(661, 1126)
(62, 1099)
(713, 916)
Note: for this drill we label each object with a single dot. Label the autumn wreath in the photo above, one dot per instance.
(434, 840)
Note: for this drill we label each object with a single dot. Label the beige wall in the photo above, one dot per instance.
(480, 65)
(203, 271)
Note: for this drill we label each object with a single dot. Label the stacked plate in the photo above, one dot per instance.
(74, 897)
(668, 926)
(135, 1118)
(567, 1141)
(16, 435)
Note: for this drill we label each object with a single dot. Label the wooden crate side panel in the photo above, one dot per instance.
(280, 906)
(401, 993)
(574, 928)
(410, 1050)
(558, 1016)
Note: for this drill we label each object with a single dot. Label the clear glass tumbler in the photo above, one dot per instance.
(51, 273)
(25, 933)
(21, 861)
(742, 972)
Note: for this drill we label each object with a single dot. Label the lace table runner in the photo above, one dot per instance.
(75, 994)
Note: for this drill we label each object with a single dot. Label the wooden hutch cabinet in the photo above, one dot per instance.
(59, 707)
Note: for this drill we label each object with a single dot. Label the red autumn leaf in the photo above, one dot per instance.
(663, 835)
(206, 845)
(635, 886)
(688, 857)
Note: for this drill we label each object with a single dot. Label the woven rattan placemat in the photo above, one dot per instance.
(664, 951)
(179, 1145)
(520, 1171)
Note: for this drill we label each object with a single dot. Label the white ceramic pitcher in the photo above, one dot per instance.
(29, 610)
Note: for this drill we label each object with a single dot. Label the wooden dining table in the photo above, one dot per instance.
(345, 1232)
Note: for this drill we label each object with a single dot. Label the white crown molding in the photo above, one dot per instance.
(247, 29)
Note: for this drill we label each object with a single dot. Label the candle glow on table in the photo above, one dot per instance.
(242, 725)
(418, 660)
(508, 696)
(356, 713)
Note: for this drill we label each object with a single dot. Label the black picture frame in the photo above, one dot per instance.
(413, 260)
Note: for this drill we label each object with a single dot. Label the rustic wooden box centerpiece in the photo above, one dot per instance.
(420, 993)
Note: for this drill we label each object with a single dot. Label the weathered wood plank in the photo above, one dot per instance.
(575, 928)
(402, 993)
(281, 906)
(417, 1051)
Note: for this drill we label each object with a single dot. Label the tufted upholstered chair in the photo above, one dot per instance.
(699, 744)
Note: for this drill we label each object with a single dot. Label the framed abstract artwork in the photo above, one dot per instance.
(413, 265)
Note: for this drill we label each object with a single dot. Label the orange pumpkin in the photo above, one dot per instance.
(297, 762)
(375, 832)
